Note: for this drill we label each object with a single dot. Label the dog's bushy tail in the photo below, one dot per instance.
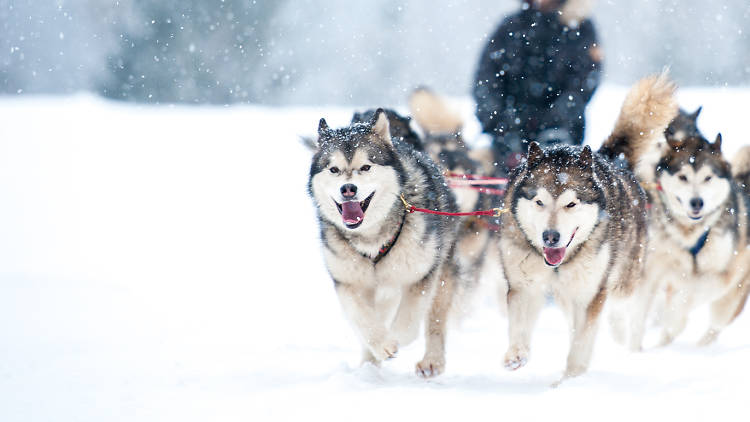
(432, 114)
(648, 108)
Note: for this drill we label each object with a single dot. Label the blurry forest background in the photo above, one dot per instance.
(282, 52)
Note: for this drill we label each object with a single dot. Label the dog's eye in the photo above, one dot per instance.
(683, 178)
(707, 178)
(334, 170)
(571, 205)
(540, 203)
(364, 168)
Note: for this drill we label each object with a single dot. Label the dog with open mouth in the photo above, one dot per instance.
(577, 229)
(392, 270)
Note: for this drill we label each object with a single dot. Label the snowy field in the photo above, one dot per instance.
(163, 264)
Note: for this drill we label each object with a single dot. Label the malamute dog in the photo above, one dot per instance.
(477, 247)
(577, 228)
(698, 252)
(391, 269)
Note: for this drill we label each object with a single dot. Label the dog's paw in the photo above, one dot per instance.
(573, 371)
(430, 367)
(708, 338)
(383, 350)
(515, 358)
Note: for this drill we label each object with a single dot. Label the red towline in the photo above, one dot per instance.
(477, 179)
(494, 212)
(473, 181)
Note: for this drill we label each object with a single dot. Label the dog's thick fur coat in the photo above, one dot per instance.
(391, 269)
(577, 227)
(698, 249)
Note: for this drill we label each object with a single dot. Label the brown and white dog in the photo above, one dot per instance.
(577, 228)
(698, 249)
(393, 271)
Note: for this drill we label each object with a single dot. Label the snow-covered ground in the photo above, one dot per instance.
(163, 264)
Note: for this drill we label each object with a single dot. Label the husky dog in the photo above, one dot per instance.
(391, 269)
(577, 228)
(476, 247)
(698, 251)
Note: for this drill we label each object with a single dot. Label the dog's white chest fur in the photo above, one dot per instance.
(703, 273)
(583, 273)
(408, 261)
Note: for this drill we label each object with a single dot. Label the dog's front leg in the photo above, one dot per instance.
(359, 306)
(415, 301)
(524, 305)
(726, 308)
(675, 316)
(584, 317)
(433, 362)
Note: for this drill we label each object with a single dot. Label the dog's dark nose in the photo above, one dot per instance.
(348, 190)
(550, 238)
(696, 204)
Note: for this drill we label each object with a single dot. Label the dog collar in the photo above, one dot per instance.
(387, 246)
(700, 243)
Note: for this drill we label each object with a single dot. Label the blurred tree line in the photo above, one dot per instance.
(332, 52)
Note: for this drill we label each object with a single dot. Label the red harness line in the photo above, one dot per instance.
(466, 181)
(481, 189)
(494, 212)
(477, 178)
(473, 181)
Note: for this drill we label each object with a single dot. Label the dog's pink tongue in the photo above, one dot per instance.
(352, 212)
(554, 256)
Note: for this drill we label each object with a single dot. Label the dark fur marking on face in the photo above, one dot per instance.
(694, 151)
(357, 137)
(348, 141)
(558, 169)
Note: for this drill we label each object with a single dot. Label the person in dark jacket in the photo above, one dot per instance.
(535, 77)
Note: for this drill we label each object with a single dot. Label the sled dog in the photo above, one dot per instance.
(577, 228)
(391, 269)
(698, 250)
(477, 247)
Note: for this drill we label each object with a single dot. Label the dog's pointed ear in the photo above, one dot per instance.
(587, 158)
(534, 155)
(694, 115)
(322, 126)
(380, 125)
(323, 132)
(716, 146)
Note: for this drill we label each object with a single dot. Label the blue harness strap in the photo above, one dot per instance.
(700, 243)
